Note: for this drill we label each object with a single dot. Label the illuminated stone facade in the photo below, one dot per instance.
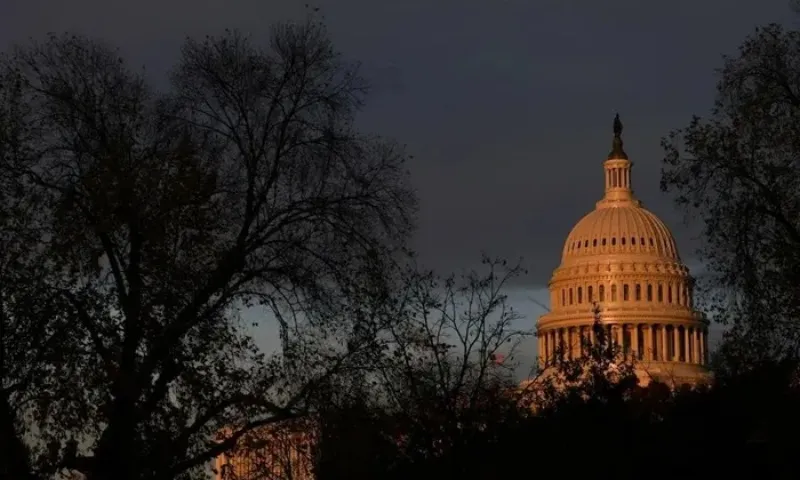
(283, 450)
(622, 260)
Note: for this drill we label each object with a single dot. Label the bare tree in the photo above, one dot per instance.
(158, 219)
(448, 360)
(439, 368)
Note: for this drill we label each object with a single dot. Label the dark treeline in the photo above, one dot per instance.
(136, 225)
(744, 425)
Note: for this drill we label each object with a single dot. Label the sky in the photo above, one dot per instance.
(506, 105)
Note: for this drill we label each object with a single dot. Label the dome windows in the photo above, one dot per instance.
(672, 293)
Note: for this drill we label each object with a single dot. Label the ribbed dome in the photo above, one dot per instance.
(620, 266)
(628, 229)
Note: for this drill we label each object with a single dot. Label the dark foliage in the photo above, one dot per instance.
(737, 172)
(136, 226)
(743, 426)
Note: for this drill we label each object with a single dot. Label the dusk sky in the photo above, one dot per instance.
(506, 105)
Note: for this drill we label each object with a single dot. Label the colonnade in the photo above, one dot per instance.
(637, 341)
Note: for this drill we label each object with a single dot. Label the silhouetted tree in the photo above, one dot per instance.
(136, 226)
(737, 171)
(443, 390)
(601, 373)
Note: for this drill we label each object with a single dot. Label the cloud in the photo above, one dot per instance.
(507, 106)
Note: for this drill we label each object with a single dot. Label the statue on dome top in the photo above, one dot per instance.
(616, 147)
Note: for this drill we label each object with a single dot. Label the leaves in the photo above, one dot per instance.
(137, 225)
(737, 172)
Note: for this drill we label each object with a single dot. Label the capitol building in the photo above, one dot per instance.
(621, 261)
(619, 267)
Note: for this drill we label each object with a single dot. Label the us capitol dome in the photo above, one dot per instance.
(621, 261)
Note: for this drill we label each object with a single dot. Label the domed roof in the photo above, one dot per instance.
(619, 224)
(624, 229)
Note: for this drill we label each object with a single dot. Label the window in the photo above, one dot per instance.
(563, 296)
(623, 240)
(614, 293)
(625, 292)
(649, 293)
(594, 242)
(660, 293)
(669, 294)
(604, 242)
(585, 243)
(570, 296)
(580, 294)
(633, 240)
(638, 292)
(589, 294)
(601, 290)
(613, 240)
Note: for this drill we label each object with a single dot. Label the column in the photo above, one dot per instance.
(554, 346)
(662, 352)
(635, 341)
(686, 343)
(570, 341)
(584, 340)
(647, 330)
(697, 348)
(676, 343)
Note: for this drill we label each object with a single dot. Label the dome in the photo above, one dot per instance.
(628, 230)
(620, 263)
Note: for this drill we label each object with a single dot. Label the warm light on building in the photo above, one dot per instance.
(283, 450)
(621, 259)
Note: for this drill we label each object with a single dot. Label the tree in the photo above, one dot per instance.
(443, 388)
(602, 375)
(159, 217)
(737, 172)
